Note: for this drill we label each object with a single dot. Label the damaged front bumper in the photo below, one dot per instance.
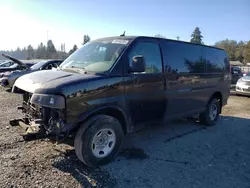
(43, 115)
(4, 82)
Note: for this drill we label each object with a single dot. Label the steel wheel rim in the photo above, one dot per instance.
(103, 142)
(213, 112)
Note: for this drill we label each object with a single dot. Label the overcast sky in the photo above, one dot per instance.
(27, 22)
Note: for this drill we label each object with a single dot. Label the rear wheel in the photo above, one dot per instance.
(98, 141)
(211, 114)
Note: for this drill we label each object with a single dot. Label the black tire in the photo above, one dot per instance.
(86, 133)
(205, 116)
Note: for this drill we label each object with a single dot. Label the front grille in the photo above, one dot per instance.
(31, 110)
(247, 83)
(248, 90)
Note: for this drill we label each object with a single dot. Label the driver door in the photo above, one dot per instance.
(144, 91)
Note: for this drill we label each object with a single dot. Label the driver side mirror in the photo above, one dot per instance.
(138, 64)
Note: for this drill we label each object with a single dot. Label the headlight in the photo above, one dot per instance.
(51, 101)
(240, 81)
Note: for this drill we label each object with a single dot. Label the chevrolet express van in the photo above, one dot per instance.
(112, 86)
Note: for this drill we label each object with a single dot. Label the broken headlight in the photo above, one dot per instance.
(51, 101)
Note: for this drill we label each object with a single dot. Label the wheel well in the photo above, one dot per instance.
(117, 114)
(218, 96)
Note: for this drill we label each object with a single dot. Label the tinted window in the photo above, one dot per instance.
(38, 65)
(55, 65)
(183, 58)
(215, 60)
(151, 52)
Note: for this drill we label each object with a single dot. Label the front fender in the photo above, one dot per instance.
(114, 111)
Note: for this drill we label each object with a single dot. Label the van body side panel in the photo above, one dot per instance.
(193, 73)
(217, 73)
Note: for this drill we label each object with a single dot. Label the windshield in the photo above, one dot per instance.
(7, 64)
(38, 65)
(97, 56)
(248, 74)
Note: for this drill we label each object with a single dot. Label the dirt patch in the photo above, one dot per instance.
(176, 155)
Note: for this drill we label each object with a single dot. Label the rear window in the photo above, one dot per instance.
(215, 60)
(183, 58)
(236, 70)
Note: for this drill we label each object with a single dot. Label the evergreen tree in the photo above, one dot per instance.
(73, 50)
(51, 50)
(41, 51)
(30, 52)
(196, 36)
(86, 39)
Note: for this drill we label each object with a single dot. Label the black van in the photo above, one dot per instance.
(112, 86)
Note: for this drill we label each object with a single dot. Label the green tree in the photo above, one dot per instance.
(229, 46)
(196, 36)
(239, 51)
(51, 50)
(25, 53)
(41, 51)
(246, 52)
(73, 50)
(30, 52)
(86, 39)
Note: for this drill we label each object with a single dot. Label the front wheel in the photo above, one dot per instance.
(98, 141)
(211, 114)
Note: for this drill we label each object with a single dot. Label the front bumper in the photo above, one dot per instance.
(243, 90)
(40, 121)
(4, 82)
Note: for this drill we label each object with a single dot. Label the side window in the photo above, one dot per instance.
(183, 58)
(214, 60)
(151, 52)
(8, 64)
(55, 65)
(48, 67)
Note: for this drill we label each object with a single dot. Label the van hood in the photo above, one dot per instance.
(16, 61)
(49, 79)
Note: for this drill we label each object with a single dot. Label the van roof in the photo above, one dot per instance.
(147, 37)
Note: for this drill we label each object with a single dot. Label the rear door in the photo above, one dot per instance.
(144, 92)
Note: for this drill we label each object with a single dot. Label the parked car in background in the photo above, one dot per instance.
(12, 65)
(245, 73)
(8, 64)
(112, 86)
(8, 79)
(245, 69)
(243, 85)
(236, 74)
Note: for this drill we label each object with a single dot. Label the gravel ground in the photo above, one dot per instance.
(179, 154)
